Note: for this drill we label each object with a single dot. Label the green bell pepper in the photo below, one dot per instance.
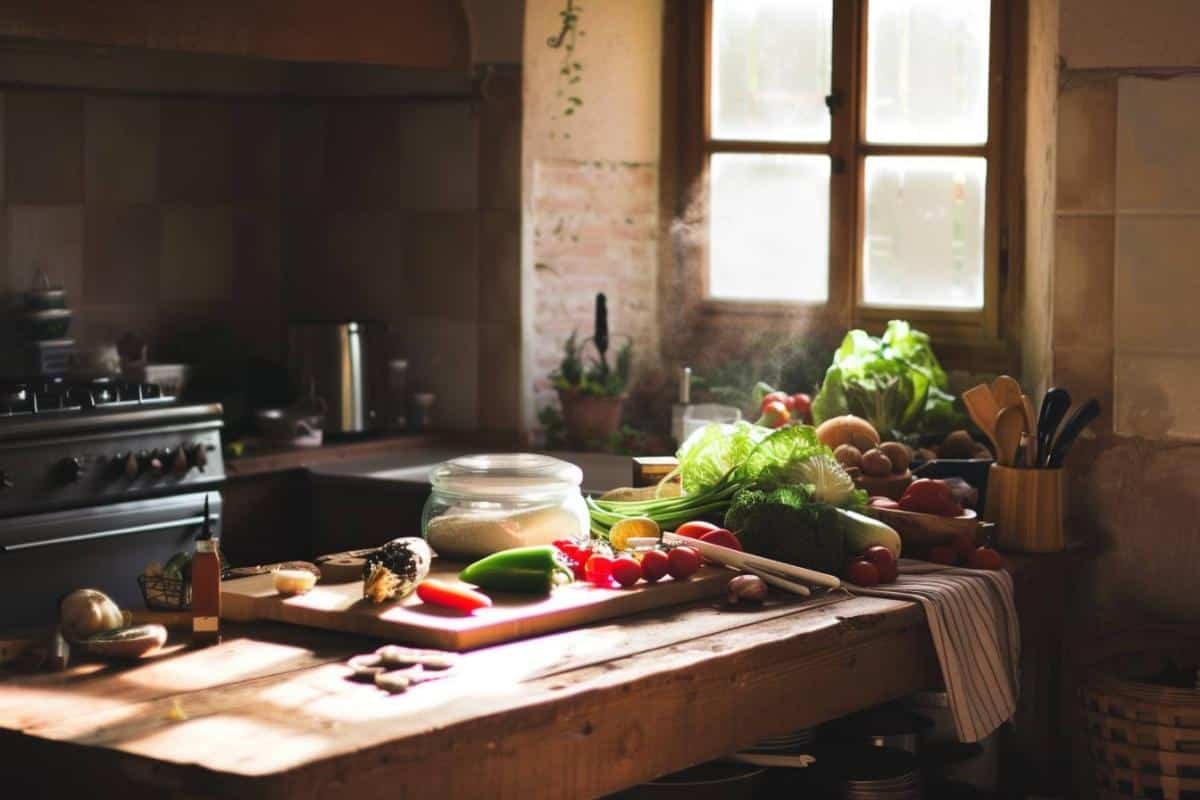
(526, 570)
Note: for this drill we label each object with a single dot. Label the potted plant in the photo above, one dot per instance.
(591, 394)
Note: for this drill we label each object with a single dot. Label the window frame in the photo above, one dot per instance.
(687, 136)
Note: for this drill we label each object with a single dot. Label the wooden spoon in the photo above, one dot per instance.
(1010, 424)
(1007, 391)
(981, 405)
(1030, 415)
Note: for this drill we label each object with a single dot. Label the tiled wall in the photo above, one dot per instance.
(407, 211)
(1126, 236)
(177, 213)
(152, 212)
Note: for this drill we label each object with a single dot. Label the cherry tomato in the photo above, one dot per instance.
(943, 554)
(449, 595)
(801, 405)
(696, 528)
(862, 572)
(626, 571)
(880, 555)
(683, 562)
(888, 573)
(722, 538)
(598, 570)
(985, 558)
(774, 415)
(655, 565)
(776, 397)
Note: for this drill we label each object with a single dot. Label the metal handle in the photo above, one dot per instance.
(150, 526)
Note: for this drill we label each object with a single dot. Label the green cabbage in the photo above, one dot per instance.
(891, 382)
(712, 451)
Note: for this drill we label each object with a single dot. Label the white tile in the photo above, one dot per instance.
(1155, 396)
(1157, 284)
(1158, 162)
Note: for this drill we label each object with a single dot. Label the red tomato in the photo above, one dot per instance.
(801, 405)
(880, 556)
(774, 415)
(655, 565)
(449, 595)
(943, 554)
(963, 544)
(862, 572)
(888, 573)
(682, 562)
(985, 558)
(598, 570)
(696, 528)
(775, 397)
(722, 538)
(626, 571)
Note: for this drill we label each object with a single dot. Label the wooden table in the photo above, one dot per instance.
(270, 712)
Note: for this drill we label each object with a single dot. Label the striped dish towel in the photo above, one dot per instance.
(975, 633)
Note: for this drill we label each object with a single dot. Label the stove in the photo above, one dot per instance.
(97, 479)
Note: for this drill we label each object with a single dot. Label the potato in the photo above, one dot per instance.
(876, 464)
(898, 453)
(848, 455)
(958, 444)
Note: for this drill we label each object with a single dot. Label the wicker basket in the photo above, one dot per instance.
(1144, 738)
(165, 594)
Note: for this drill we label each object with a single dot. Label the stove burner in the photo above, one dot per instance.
(20, 397)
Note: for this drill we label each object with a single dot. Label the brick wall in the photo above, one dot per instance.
(594, 229)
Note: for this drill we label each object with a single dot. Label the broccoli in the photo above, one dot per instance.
(785, 524)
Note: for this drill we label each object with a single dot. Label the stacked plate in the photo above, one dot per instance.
(879, 773)
(789, 750)
(786, 743)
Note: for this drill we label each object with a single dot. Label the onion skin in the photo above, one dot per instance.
(86, 612)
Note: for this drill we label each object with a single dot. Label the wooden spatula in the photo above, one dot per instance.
(1010, 424)
(981, 405)
(1007, 391)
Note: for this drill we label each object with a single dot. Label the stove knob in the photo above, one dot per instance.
(198, 456)
(68, 470)
(151, 463)
(126, 465)
(179, 463)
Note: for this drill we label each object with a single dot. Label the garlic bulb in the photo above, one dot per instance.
(85, 612)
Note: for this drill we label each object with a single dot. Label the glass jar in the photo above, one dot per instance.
(482, 504)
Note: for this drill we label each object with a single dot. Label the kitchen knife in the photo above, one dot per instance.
(1054, 406)
(1076, 422)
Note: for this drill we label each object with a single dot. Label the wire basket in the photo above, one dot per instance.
(165, 594)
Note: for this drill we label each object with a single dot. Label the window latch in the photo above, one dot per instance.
(837, 165)
(834, 100)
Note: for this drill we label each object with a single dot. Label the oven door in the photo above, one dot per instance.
(44, 556)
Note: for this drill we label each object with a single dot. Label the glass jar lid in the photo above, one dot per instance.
(506, 475)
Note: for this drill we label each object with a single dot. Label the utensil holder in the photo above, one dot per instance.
(1027, 507)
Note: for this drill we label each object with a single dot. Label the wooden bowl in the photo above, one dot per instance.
(887, 486)
(921, 531)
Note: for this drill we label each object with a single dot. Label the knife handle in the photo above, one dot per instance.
(1079, 419)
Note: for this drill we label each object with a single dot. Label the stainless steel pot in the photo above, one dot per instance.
(334, 359)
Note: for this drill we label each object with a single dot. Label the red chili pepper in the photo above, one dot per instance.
(449, 595)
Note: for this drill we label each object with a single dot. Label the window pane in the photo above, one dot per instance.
(769, 235)
(923, 239)
(771, 69)
(927, 71)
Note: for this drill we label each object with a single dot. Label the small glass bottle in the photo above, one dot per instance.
(206, 587)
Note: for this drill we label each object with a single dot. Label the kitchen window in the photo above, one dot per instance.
(845, 161)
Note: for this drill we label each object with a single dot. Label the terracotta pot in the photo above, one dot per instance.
(589, 419)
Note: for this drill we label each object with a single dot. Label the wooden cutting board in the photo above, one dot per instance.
(341, 607)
